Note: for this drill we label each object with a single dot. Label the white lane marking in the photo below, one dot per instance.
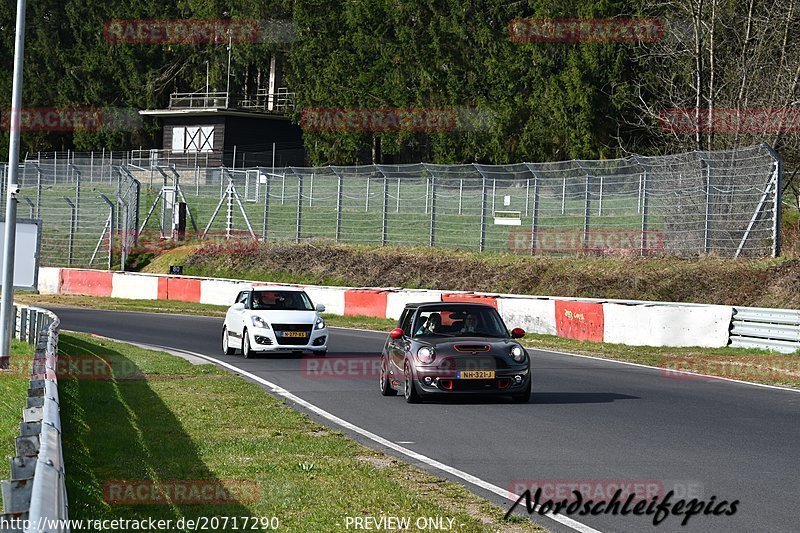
(405, 442)
(433, 463)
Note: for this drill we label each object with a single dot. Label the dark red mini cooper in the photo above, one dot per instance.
(454, 348)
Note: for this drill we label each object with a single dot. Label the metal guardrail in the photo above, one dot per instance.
(37, 492)
(762, 327)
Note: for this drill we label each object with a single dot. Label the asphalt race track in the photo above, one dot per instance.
(588, 421)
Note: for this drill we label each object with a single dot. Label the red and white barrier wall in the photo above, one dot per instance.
(615, 321)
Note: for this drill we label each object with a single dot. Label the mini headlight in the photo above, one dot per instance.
(319, 324)
(518, 353)
(426, 354)
(259, 322)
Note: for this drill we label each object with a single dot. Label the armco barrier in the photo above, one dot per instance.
(333, 298)
(220, 291)
(637, 323)
(180, 289)
(86, 282)
(583, 321)
(37, 488)
(135, 287)
(534, 315)
(397, 300)
(771, 329)
(365, 302)
(470, 297)
(666, 325)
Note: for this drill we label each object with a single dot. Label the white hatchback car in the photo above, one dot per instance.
(274, 319)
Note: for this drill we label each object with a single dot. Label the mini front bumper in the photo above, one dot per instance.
(264, 340)
(506, 381)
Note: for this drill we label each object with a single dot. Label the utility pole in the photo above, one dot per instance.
(7, 294)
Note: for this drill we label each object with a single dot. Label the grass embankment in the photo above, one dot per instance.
(758, 366)
(762, 282)
(14, 385)
(177, 421)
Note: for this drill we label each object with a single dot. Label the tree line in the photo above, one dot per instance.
(693, 75)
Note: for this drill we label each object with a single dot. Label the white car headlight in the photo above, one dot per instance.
(319, 324)
(426, 354)
(518, 353)
(259, 322)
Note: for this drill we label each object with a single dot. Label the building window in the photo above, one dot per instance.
(193, 139)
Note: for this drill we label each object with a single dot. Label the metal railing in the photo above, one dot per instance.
(281, 101)
(767, 328)
(37, 489)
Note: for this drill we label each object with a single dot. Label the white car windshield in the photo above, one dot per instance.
(281, 301)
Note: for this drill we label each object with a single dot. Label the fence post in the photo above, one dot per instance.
(397, 209)
(229, 209)
(600, 200)
(707, 220)
(311, 191)
(776, 206)
(338, 206)
(91, 167)
(385, 221)
(527, 195)
(71, 246)
(433, 211)
(123, 245)
(639, 196)
(564, 196)
(366, 209)
(266, 205)
(78, 199)
(586, 211)
(299, 206)
(460, 193)
(427, 193)
(110, 228)
(645, 212)
(494, 193)
(38, 191)
(535, 214)
(482, 243)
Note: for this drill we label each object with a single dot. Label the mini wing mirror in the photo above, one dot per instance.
(396, 333)
(238, 306)
(517, 333)
(320, 308)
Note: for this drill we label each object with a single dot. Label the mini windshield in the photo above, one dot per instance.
(459, 322)
(281, 301)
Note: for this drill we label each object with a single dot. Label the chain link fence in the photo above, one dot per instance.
(96, 208)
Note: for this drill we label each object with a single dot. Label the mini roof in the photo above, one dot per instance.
(447, 304)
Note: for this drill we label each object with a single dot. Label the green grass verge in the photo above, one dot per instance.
(13, 392)
(758, 366)
(180, 421)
